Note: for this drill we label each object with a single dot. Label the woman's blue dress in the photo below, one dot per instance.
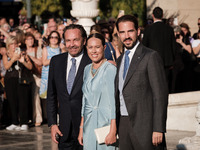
(45, 71)
(98, 108)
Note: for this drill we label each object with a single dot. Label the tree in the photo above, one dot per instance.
(39, 6)
(129, 6)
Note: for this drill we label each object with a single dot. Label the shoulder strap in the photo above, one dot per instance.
(111, 51)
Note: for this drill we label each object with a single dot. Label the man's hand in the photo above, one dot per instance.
(80, 136)
(157, 138)
(54, 131)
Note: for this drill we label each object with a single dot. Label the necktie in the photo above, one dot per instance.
(71, 75)
(126, 63)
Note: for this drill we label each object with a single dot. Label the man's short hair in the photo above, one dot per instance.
(76, 26)
(126, 18)
(158, 13)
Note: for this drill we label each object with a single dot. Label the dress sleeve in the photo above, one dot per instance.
(83, 99)
(110, 86)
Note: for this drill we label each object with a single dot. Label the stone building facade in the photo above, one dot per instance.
(187, 11)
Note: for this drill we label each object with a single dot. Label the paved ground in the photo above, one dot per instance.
(39, 138)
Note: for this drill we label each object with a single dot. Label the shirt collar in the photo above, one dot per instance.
(77, 57)
(134, 48)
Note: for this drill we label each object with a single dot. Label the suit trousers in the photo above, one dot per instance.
(71, 142)
(128, 141)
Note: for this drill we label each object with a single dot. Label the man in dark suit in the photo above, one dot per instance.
(65, 89)
(141, 92)
(160, 37)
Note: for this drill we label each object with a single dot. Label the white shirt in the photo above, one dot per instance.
(123, 109)
(132, 52)
(69, 62)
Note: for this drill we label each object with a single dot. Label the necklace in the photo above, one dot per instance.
(97, 70)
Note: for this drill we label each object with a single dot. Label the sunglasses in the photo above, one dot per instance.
(198, 24)
(53, 37)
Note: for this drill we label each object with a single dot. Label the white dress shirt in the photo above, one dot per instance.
(69, 63)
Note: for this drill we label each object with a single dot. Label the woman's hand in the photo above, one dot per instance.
(15, 57)
(110, 138)
(180, 40)
(22, 58)
(80, 136)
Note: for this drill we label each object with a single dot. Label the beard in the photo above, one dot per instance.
(129, 46)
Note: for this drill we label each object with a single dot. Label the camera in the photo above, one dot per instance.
(17, 50)
(177, 36)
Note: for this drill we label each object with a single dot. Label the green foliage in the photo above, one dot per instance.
(39, 6)
(129, 6)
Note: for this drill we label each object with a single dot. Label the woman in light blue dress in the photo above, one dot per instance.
(47, 53)
(98, 107)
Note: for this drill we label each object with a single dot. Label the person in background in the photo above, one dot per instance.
(98, 91)
(196, 45)
(35, 55)
(95, 29)
(38, 38)
(4, 115)
(47, 53)
(160, 37)
(105, 31)
(62, 43)
(3, 21)
(18, 80)
(185, 78)
(113, 49)
(195, 35)
(11, 23)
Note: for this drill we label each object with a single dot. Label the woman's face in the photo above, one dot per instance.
(38, 36)
(12, 46)
(53, 39)
(95, 49)
(184, 30)
(29, 41)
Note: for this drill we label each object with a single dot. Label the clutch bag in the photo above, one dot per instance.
(101, 133)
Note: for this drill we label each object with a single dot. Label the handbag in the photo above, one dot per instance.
(101, 134)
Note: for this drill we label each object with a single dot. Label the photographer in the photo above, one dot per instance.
(18, 80)
(185, 78)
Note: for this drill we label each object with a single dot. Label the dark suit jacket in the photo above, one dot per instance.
(69, 104)
(145, 94)
(160, 37)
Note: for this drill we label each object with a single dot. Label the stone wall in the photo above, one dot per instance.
(182, 109)
(187, 11)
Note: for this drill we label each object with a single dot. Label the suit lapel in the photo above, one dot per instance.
(137, 57)
(64, 71)
(119, 60)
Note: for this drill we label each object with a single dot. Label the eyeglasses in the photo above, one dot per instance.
(198, 24)
(53, 37)
(28, 39)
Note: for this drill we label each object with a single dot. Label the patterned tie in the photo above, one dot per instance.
(71, 76)
(126, 63)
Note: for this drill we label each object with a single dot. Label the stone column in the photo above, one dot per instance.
(193, 143)
(84, 11)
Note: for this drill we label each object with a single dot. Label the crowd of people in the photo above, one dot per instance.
(63, 71)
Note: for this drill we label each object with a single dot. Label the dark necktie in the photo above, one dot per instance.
(126, 63)
(71, 76)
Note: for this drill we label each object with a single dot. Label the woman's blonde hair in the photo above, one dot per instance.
(10, 40)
